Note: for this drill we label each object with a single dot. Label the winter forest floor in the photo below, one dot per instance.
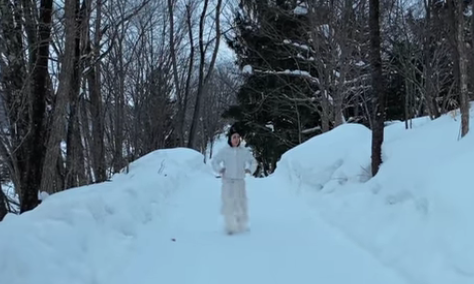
(318, 219)
(286, 243)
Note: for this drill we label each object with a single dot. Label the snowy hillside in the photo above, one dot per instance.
(416, 214)
(160, 223)
(87, 234)
(318, 219)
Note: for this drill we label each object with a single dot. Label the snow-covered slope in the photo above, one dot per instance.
(85, 235)
(285, 244)
(416, 214)
(160, 223)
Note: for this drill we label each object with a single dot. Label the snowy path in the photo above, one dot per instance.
(285, 245)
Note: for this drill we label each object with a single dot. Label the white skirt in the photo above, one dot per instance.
(234, 200)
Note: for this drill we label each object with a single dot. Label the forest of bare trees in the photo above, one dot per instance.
(88, 86)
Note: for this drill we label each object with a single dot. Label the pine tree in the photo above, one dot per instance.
(276, 103)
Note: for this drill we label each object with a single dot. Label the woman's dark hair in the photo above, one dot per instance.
(231, 132)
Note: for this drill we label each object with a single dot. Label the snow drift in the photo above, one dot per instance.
(416, 214)
(92, 227)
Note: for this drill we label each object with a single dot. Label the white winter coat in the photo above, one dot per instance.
(234, 160)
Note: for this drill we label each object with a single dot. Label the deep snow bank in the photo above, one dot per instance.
(416, 214)
(331, 159)
(83, 235)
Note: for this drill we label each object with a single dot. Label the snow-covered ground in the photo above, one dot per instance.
(318, 219)
(88, 234)
(285, 244)
(416, 214)
(160, 223)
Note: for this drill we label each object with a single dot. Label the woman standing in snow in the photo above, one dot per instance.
(233, 163)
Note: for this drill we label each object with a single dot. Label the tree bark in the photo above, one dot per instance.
(462, 64)
(98, 147)
(377, 86)
(49, 181)
(3, 204)
(34, 142)
(430, 95)
(119, 105)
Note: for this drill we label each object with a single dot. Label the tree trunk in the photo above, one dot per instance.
(119, 105)
(462, 64)
(50, 179)
(34, 142)
(98, 147)
(181, 109)
(430, 95)
(377, 86)
(3, 204)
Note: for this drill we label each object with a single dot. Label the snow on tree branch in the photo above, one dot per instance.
(297, 73)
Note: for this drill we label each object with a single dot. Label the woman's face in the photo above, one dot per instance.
(235, 139)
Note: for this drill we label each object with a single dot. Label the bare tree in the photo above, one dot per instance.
(34, 140)
(96, 104)
(457, 16)
(204, 75)
(43, 110)
(50, 181)
(337, 39)
(378, 86)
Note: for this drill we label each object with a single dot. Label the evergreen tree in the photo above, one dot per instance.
(276, 103)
